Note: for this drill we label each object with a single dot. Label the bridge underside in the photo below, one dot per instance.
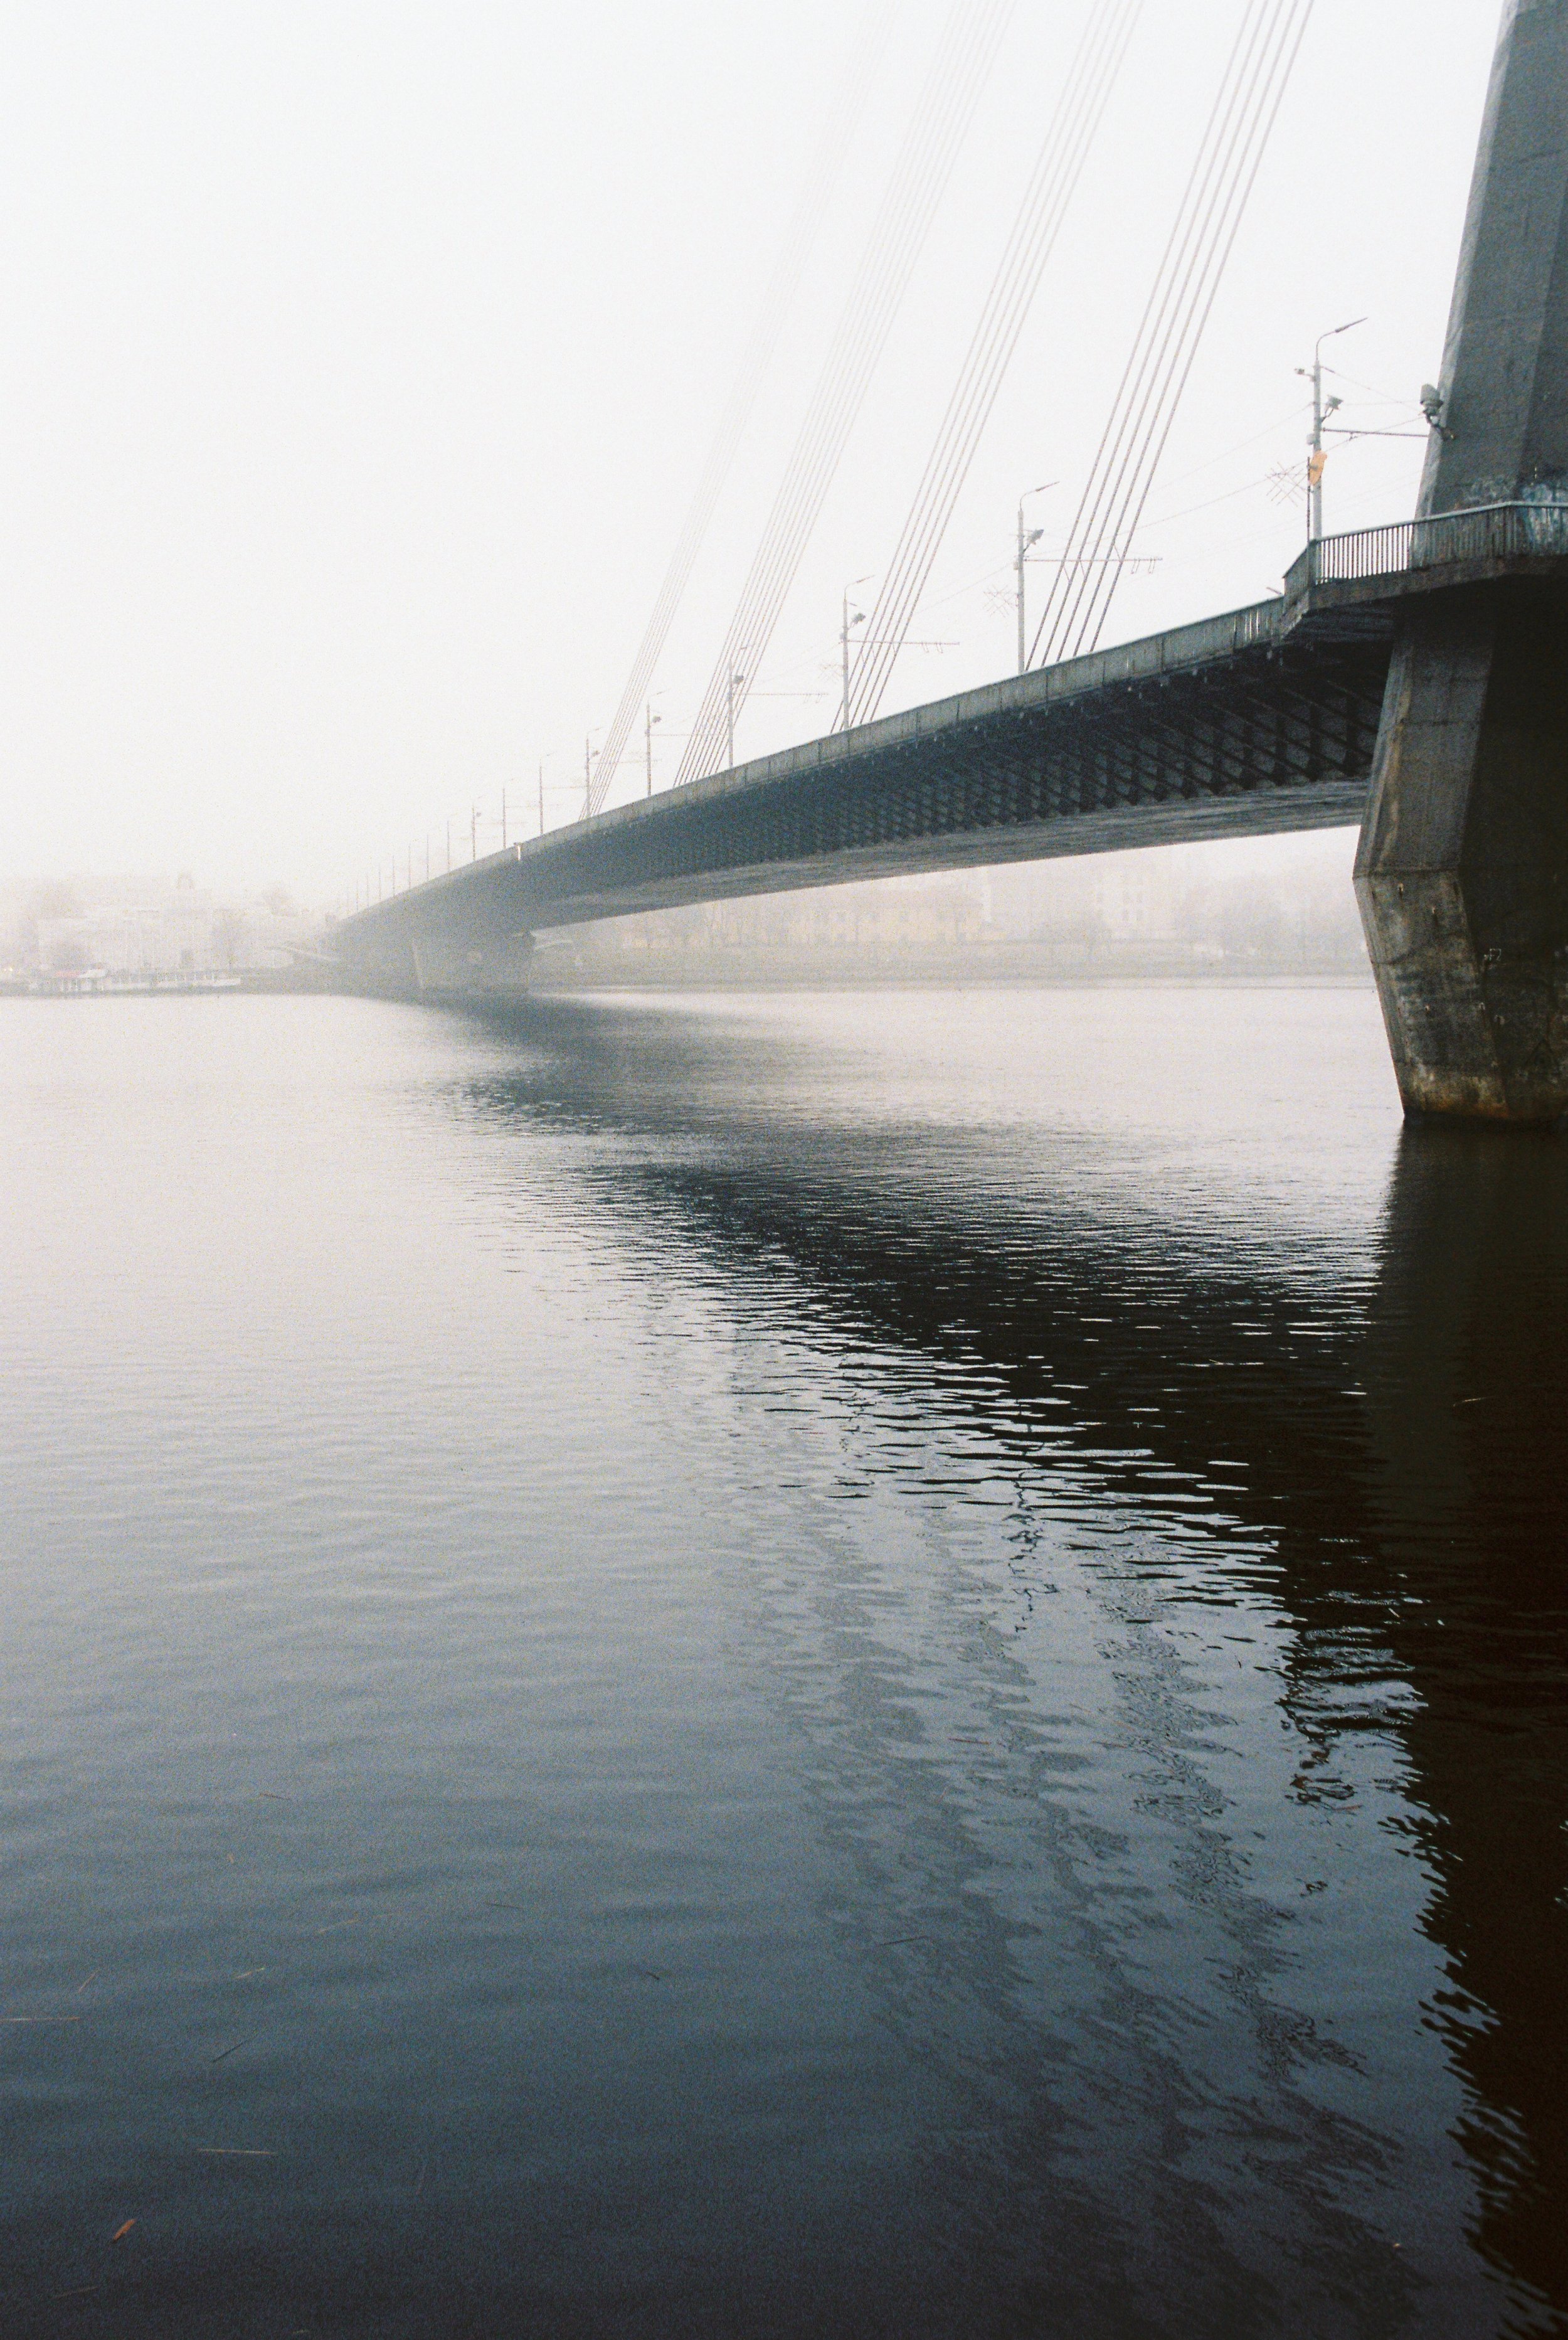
(1411, 679)
(1234, 728)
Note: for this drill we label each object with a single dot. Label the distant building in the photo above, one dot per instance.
(1133, 897)
(180, 930)
(129, 942)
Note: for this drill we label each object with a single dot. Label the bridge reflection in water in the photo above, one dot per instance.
(1359, 1432)
(1466, 1539)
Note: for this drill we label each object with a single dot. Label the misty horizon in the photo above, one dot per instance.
(359, 411)
(783, 1051)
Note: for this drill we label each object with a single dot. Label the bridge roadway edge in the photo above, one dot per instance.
(1222, 728)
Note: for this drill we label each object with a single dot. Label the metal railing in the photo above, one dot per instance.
(1511, 531)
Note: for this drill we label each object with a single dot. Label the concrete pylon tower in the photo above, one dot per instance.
(1463, 871)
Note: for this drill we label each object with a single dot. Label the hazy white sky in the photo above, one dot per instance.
(360, 358)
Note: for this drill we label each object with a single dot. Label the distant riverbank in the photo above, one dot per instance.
(571, 966)
(91, 984)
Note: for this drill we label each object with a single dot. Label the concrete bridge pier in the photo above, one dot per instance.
(464, 964)
(409, 957)
(1463, 871)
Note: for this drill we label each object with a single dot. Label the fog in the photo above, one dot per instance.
(833, 1613)
(361, 361)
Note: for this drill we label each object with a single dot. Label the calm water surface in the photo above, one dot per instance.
(870, 1664)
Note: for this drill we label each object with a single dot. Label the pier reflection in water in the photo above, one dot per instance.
(1083, 1844)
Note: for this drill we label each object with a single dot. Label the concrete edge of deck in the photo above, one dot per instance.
(1179, 649)
(1252, 812)
(1301, 612)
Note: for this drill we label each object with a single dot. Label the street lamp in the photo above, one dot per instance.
(649, 720)
(855, 618)
(1025, 539)
(734, 683)
(1320, 413)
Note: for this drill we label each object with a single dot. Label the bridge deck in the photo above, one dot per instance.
(1263, 719)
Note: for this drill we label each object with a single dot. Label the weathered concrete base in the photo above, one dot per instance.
(1463, 871)
(462, 966)
(435, 966)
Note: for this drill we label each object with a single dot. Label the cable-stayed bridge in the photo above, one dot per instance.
(1412, 679)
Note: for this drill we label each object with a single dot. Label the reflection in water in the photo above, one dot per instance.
(925, 1641)
(1395, 1480)
(1466, 1372)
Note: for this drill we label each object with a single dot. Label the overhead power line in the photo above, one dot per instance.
(960, 68)
(1070, 135)
(823, 172)
(1167, 337)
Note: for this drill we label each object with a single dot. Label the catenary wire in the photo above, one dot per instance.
(823, 172)
(1075, 119)
(965, 53)
(806, 479)
(1129, 421)
(1185, 285)
(1130, 427)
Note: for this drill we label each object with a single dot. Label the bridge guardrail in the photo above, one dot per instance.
(1510, 532)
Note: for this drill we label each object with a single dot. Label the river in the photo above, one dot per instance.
(880, 1663)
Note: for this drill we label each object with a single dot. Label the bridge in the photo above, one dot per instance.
(1410, 680)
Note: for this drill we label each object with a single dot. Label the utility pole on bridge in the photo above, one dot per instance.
(1024, 542)
(1321, 412)
(849, 618)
